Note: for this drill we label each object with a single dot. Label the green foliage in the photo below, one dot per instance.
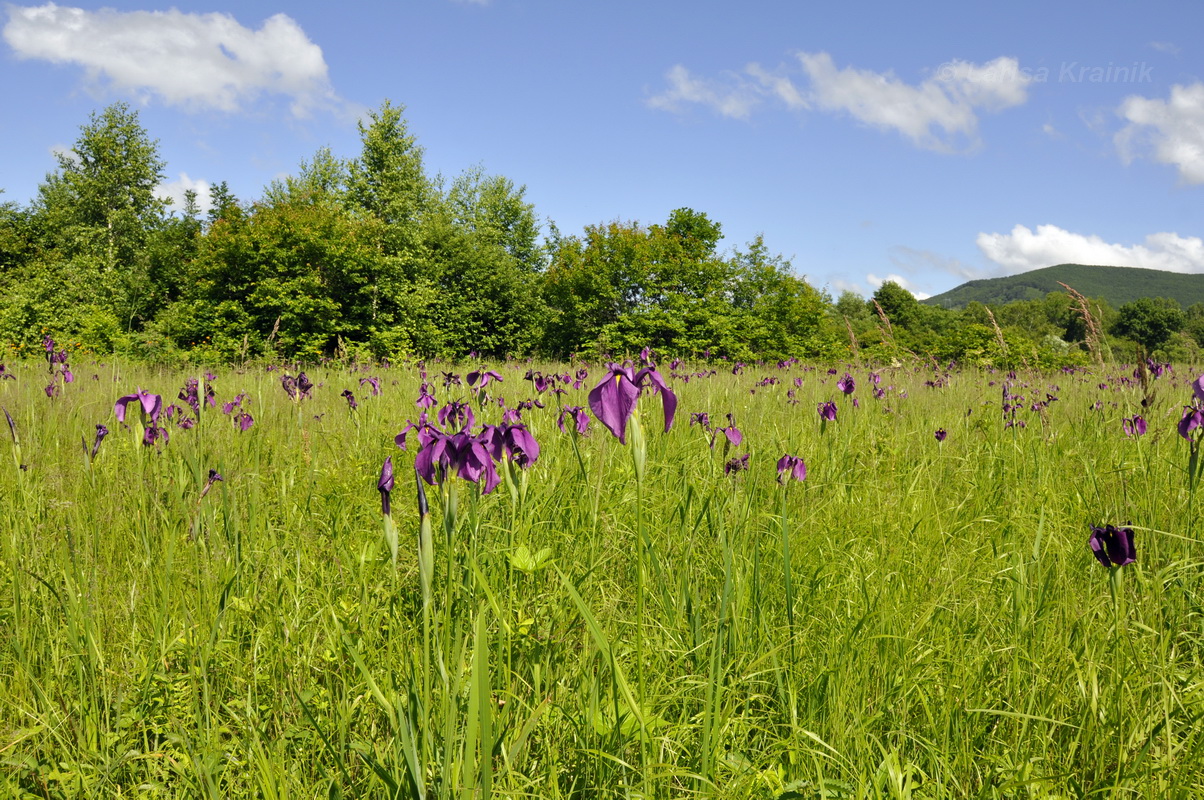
(1149, 321)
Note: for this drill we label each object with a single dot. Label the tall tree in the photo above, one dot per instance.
(101, 201)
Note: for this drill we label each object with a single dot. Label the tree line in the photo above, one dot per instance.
(372, 257)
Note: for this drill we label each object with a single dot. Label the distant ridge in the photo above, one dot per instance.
(1118, 285)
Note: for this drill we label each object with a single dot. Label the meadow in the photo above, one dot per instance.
(915, 617)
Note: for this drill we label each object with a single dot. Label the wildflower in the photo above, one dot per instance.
(1192, 418)
(577, 413)
(385, 485)
(151, 405)
(214, 477)
(513, 440)
(459, 454)
(846, 384)
(827, 411)
(101, 433)
(791, 467)
(455, 413)
(351, 404)
(613, 400)
(734, 464)
(940, 434)
(1114, 547)
(374, 383)
(1134, 425)
(479, 379)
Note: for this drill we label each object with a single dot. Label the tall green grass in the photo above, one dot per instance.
(943, 631)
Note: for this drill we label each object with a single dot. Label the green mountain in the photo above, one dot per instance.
(1118, 285)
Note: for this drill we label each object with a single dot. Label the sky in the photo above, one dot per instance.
(914, 142)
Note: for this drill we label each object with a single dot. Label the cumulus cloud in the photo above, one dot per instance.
(939, 113)
(198, 61)
(1024, 249)
(1170, 131)
(174, 191)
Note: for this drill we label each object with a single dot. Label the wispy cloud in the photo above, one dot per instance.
(1024, 249)
(876, 282)
(196, 61)
(939, 113)
(1169, 131)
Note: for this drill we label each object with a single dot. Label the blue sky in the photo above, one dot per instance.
(916, 142)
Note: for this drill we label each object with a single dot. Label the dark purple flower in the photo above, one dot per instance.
(513, 440)
(1134, 426)
(450, 379)
(101, 433)
(351, 404)
(480, 378)
(425, 398)
(374, 383)
(214, 477)
(613, 400)
(846, 384)
(940, 434)
(1114, 547)
(791, 467)
(700, 418)
(457, 415)
(12, 426)
(5, 373)
(151, 405)
(244, 420)
(735, 464)
(1197, 389)
(385, 485)
(1192, 419)
(456, 454)
(577, 413)
(827, 411)
(304, 387)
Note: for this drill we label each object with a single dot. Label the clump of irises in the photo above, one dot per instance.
(60, 371)
(150, 407)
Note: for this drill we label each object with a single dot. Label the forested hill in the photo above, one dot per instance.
(1118, 285)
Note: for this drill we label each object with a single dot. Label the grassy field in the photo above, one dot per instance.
(915, 619)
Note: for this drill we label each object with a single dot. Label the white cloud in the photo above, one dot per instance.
(200, 61)
(1172, 130)
(939, 113)
(174, 190)
(876, 282)
(729, 101)
(1166, 47)
(1023, 250)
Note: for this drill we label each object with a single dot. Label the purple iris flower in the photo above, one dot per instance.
(244, 420)
(374, 383)
(940, 434)
(385, 485)
(290, 385)
(6, 373)
(827, 411)
(458, 454)
(351, 404)
(425, 398)
(613, 400)
(579, 378)
(304, 386)
(1134, 425)
(1114, 547)
(480, 378)
(450, 379)
(1197, 389)
(846, 384)
(151, 404)
(422, 426)
(791, 467)
(513, 440)
(1192, 418)
(214, 477)
(735, 464)
(700, 418)
(457, 414)
(101, 433)
(577, 413)
(733, 434)
(12, 426)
